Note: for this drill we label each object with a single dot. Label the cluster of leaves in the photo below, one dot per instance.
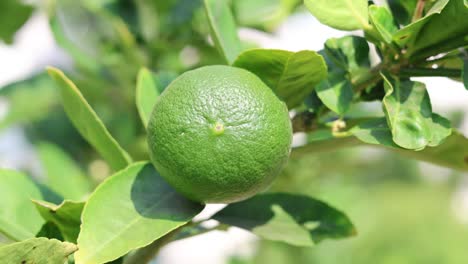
(134, 212)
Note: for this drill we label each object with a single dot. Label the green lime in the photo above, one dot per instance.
(218, 134)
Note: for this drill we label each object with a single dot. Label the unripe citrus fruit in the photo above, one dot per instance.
(218, 134)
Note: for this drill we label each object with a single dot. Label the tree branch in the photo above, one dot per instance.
(429, 72)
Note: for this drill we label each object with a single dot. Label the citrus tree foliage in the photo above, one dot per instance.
(125, 53)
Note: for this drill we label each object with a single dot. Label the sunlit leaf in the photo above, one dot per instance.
(146, 94)
(383, 22)
(19, 95)
(37, 251)
(66, 216)
(340, 14)
(268, 13)
(223, 29)
(19, 219)
(409, 33)
(291, 75)
(130, 210)
(62, 174)
(336, 93)
(450, 26)
(88, 123)
(409, 114)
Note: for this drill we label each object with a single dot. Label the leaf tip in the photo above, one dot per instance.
(51, 70)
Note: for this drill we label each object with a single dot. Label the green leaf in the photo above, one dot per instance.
(374, 131)
(66, 216)
(13, 14)
(382, 20)
(345, 57)
(223, 29)
(68, 19)
(88, 123)
(94, 36)
(146, 94)
(402, 10)
(66, 179)
(291, 75)
(349, 54)
(340, 14)
(409, 114)
(268, 13)
(441, 128)
(336, 93)
(19, 219)
(408, 34)
(50, 230)
(451, 26)
(294, 219)
(37, 251)
(19, 95)
(130, 210)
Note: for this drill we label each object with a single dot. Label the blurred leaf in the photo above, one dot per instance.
(130, 210)
(146, 94)
(465, 73)
(291, 75)
(451, 153)
(402, 10)
(19, 95)
(93, 36)
(408, 34)
(294, 219)
(382, 20)
(409, 115)
(148, 20)
(66, 179)
(74, 28)
(18, 218)
(336, 93)
(66, 216)
(88, 123)
(50, 230)
(223, 29)
(451, 26)
(263, 13)
(340, 14)
(13, 14)
(37, 251)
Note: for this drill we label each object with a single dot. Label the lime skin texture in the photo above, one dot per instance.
(218, 134)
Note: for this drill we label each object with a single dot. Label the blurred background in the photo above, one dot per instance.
(405, 211)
